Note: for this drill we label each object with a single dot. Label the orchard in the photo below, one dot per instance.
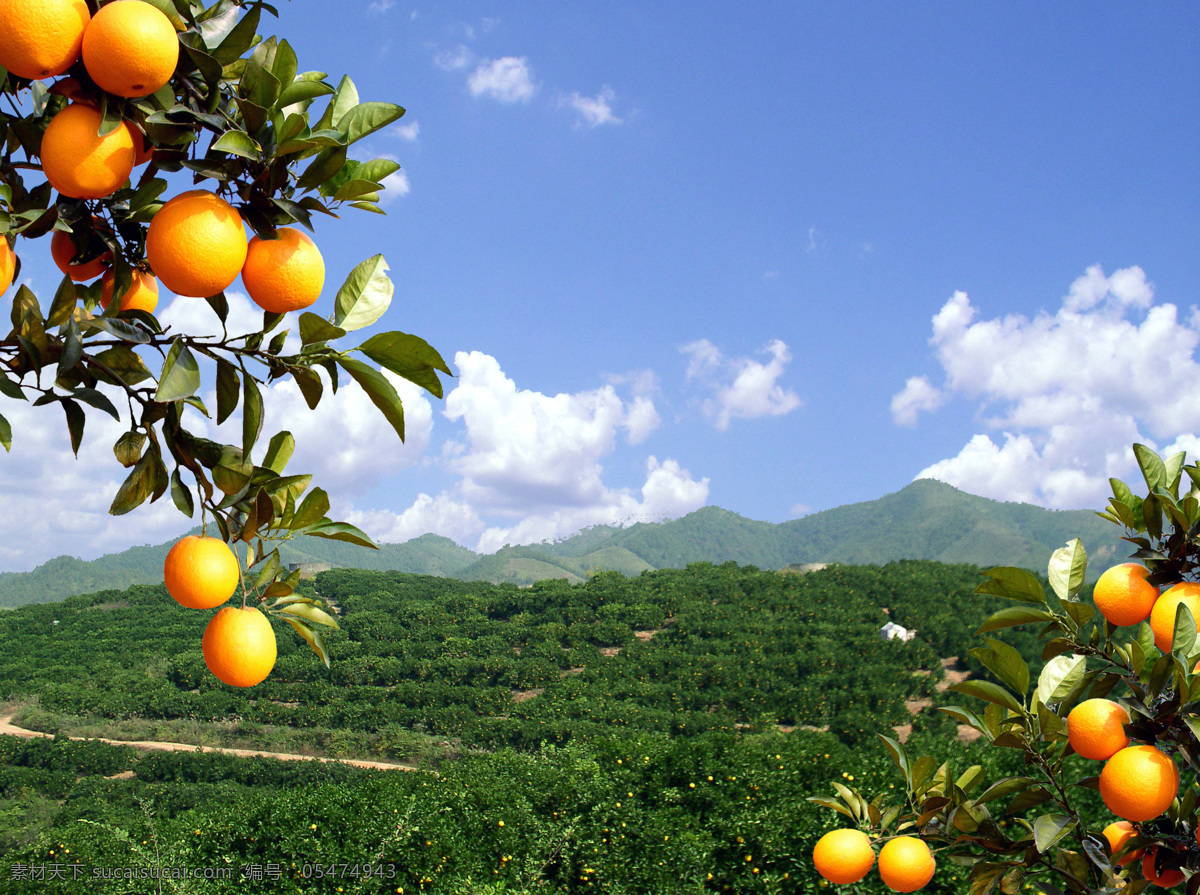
(142, 139)
(1115, 709)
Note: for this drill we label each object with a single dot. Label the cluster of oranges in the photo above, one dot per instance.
(196, 243)
(239, 643)
(1139, 781)
(845, 856)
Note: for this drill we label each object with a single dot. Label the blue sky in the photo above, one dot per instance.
(776, 260)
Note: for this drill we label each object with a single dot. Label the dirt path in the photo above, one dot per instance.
(7, 727)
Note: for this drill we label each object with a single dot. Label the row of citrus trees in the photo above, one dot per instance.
(1129, 699)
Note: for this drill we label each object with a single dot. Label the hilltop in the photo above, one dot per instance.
(926, 519)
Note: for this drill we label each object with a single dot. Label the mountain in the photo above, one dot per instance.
(925, 520)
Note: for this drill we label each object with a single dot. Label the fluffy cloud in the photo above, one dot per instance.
(742, 388)
(1067, 393)
(528, 465)
(506, 80)
(593, 110)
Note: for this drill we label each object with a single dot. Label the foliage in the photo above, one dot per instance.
(240, 116)
(1053, 835)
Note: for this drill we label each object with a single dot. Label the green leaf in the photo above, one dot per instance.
(1013, 616)
(238, 143)
(268, 571)
(1153, 469)
(5, 433)
(1068, 569)
(317, 329)
(128, 448)
(96, 399)
(252, 413)
(341, 531)
(310, 386)
(1013, 583)
(10, 389)
(1185, 629)
(228, 390)
(72, 347)
(1002, 788)
(180, 374)
(408, 356)
(1049, 829)
(311, 511)
(1060, 676)
(313, 638)
(239, 39)
(989, 692)
(365, 295)
(64, 303)
(136, 488)
(279, 451)
(182, 495)
(76, 419)
(381, 392)
(303, 89)
(310, 614)
(1004, 662)
(366, 118)
(124, 364)
(344, 99)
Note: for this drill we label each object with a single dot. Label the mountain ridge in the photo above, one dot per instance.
(926, 519)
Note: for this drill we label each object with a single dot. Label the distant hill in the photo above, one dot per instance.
(925, 520)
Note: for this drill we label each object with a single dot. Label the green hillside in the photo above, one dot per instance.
(925, 520)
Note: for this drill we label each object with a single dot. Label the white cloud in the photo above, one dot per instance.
(742, 388)
(452, 60)
(378, 7)
(506, 80)
(918, 394)
(529, 464)
(1067, 393)
(593, 110)
(409, 131)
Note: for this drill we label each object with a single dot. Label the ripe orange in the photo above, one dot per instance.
(143, 149)
(906, 864)
(201, 572)
(62, 250)
(79, 163)
(284, 274)
(239, 646)
(142, 294)
(1169, 877)
(8, 264)
(1118, 833)
(196, 244)
(1139, 783)
(1122, 595)
(1095, 728)
(130, 48)
(843, 856)
(1162, 619)
(41, 38)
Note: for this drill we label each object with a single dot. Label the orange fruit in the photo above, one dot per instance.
(196, 244)
(143, 149)
(1162, 619)
(1139, 783)
(41, 38)
(130, 48)
(906, 864)
(284, 274)
(78, 162)
(1123, 596)
(8, 264)
(843, 856)
(62, 250)
(239, 646)
(201, 572)
(1118, 833)
(142, 294)
(1095, 728)
(1169, 877)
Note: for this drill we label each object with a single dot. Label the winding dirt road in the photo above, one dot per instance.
(7, 727)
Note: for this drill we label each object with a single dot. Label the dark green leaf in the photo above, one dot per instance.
(72, 347)
(228, 390)
(252, 413)
(989, 692)
(182, 495)
(5, 433)
(238, 143)
(1014, 615)
(75, 422)
(96, 399)
(126, 330)
(408, 356)
(1013, 583)
(64, 303)
(303, 89)
(279, 451)
(310, 386)
(341, 531)
(180, 374)
(10, 389)
(124, 364)
(239, 39)
(138, 486)
(381, 392)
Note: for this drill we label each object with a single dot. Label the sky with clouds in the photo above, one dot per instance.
(776, 261)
